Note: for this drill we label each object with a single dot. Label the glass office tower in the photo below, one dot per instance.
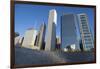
(69, 35)
(86, 36)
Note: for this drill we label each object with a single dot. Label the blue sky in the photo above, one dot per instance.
(32, 16)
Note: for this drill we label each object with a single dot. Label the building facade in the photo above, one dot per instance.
(69, 35)
(29, 39)
(51, 31)
(41, 37)
(86, 36)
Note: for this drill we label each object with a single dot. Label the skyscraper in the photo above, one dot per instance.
(41, 36)
(69, 35)
(86, 36)
(29, 38)
(51, 31)
(21, 40)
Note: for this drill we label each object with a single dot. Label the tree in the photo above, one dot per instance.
(81, 45)
(16, 34)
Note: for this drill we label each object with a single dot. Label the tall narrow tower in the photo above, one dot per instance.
(51, 31)
(86, 36)
(41, 36)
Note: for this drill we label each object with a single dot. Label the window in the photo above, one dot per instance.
(84, 30)
(86, 36)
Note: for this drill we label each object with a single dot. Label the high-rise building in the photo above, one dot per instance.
(86, 36)
(51, 31)
(58, 43)
(69, 35)
(29, 39)
(41, 37)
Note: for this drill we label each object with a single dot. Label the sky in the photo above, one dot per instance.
(32, 16)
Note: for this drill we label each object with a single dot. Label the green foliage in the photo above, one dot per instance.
(16, 34)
